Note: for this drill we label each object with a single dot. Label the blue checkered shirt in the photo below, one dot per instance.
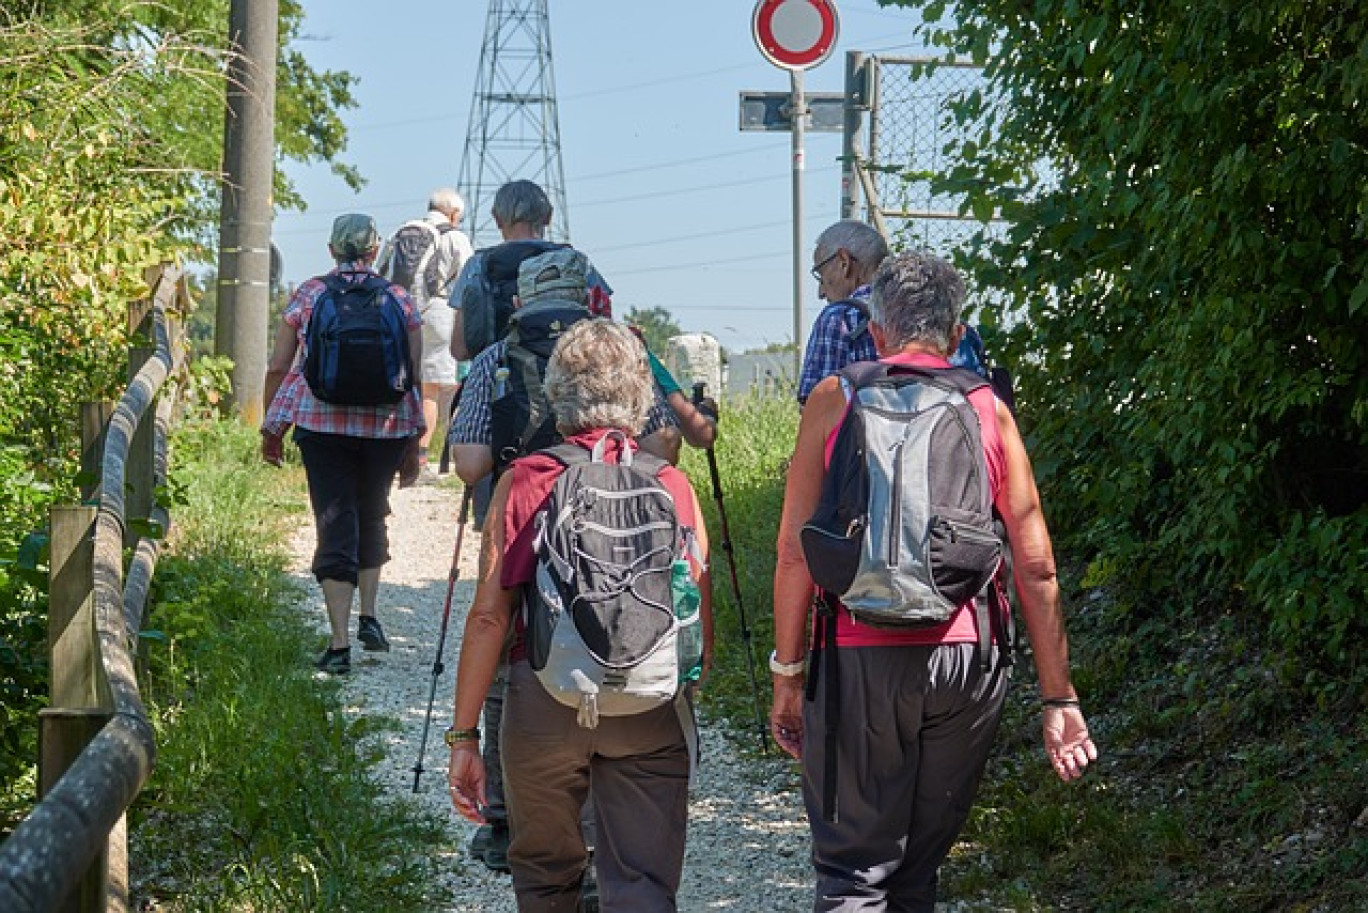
(840, 336)
(473, 416)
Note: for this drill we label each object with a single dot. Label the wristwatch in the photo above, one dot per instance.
(786, 669)
(454, 736)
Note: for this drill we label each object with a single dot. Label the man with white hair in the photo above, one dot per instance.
(425, 256)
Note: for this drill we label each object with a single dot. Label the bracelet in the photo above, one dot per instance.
(454, 735)
(1059, 702)
(786, 669)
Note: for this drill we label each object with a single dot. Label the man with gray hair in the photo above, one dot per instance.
(425, 256)
(844, 260)
(483, 297)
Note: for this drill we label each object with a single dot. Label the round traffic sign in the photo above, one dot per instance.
(795, 34)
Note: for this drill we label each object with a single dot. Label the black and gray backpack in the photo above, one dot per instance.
(903, 533)
(520, 418)
(410, 261)
(602, 631)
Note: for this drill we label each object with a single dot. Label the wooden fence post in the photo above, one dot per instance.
(75, 659)
(63, 733)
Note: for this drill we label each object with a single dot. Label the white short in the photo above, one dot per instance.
(438, 365)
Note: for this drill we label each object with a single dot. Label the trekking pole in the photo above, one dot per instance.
(437, 667)
(761, 729)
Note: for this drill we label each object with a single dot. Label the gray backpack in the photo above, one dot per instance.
(903, 533)
(410, 260)
(602, 633)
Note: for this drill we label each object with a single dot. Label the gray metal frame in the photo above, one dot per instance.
(897, 122)
(514, 127)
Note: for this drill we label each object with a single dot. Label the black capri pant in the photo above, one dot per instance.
(349, 484)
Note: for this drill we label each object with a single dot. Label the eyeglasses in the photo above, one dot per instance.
(817, 270)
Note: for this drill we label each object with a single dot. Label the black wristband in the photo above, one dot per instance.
(1059, 702)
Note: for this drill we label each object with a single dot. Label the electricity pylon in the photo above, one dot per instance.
(514, 130)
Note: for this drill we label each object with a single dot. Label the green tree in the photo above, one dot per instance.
(656, 324)
(1190, 269)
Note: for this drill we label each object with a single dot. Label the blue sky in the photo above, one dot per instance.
(676, 206)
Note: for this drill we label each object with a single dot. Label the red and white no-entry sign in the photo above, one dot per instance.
(795, 34)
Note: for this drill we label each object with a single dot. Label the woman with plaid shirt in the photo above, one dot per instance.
(351, 454)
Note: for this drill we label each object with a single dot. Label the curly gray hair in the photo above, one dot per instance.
(916, 297)
(598, 377)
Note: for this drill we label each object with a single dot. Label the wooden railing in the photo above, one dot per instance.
(96, 745)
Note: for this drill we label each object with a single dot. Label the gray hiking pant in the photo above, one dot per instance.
(914, 730)
(639, 768)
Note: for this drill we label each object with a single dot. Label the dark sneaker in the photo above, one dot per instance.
(371, 635)
(589, 898)
(496, 853)
(335, 662)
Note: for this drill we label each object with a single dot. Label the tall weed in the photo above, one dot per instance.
(262, 798)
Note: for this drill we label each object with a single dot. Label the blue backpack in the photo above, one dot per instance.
(356, 346)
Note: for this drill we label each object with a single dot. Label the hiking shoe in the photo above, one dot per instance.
(335, 662)
(371, 635)
(496, 853)
(589, 896)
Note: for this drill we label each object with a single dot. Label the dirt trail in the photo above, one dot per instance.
(748, 841)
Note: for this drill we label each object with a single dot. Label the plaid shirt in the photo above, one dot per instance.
(473, 417)
(840, 336)
(294, 402)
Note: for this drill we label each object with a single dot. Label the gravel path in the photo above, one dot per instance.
(748, 840)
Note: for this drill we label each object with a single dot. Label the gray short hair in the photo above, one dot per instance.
(917, 297)
(521, 201)
(446, 200)
(598, 377)
(864, 243)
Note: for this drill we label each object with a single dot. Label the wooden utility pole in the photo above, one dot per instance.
(240, 331)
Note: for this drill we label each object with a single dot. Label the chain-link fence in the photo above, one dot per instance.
(896, 139)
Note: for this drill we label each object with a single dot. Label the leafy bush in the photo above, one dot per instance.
(1192, 270)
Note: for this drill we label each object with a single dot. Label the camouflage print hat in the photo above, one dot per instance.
(560, 273)
(353, 236)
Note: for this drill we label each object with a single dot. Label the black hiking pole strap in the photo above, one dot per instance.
(437, 668)
(761, 729)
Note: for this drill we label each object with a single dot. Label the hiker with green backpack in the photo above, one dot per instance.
(594, 556)
(888, 555)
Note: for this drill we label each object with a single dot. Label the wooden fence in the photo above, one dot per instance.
(96, 745)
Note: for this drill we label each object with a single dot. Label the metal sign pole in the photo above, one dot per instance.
(797, 115)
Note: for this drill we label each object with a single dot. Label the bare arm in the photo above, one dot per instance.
(698, 430)
(282, 358)
(793, 585)
(1065, 731)
(472, 461)
(482, 645)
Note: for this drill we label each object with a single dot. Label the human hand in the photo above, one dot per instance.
(786, 714)
(466, 781)
(272, 447)
(1067, 742)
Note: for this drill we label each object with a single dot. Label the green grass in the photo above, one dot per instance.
(262, 798)
(754, 444)
(1220, 788)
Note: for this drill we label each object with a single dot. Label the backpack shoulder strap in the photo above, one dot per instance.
(567, 454)
(863, 373)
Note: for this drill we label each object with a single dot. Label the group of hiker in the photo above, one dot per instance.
(909, 503)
